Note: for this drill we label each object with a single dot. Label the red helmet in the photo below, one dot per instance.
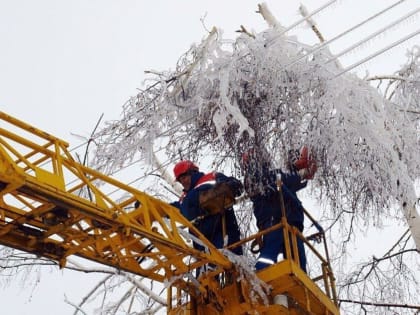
(245, 158)
(248, 157)
(255, 158)
(183, 167)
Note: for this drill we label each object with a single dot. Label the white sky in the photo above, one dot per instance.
(64, 63)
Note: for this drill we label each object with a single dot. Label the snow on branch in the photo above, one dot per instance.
(268, 17)
(226, 97)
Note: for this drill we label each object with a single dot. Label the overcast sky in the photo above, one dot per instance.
(64, 63)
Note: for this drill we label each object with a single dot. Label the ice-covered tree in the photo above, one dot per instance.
(273, 93)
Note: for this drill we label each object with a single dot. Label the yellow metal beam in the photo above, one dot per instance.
(46, 210)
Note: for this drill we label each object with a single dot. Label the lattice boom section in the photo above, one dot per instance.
(51, 206)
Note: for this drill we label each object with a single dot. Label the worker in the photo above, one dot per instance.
(261, 186)
(211, 213)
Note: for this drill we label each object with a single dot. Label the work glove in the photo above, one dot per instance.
(306, 164)
(216, 199)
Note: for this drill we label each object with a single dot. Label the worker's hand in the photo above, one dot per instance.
(216, 199)
(306, 164)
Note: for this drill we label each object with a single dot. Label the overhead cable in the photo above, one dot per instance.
(415, 33)
(300, 21)
(319, 47)
(345, 51)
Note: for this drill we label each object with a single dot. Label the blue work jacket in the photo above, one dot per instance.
(209, 225)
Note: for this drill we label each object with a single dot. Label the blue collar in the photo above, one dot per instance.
(195, 177)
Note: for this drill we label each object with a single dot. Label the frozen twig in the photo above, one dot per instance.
(245, 31)
(266, 14)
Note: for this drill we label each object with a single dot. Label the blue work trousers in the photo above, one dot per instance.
(273, 244)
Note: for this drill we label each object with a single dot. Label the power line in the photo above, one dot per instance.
(415, 33)
(345, 51)
(345, 32)
(301, 20)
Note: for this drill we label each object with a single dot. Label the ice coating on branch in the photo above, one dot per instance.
(258, 289)
(226, 96)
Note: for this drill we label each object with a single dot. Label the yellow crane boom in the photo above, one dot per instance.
(53, 206)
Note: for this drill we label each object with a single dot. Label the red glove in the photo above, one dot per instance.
(306, 164)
